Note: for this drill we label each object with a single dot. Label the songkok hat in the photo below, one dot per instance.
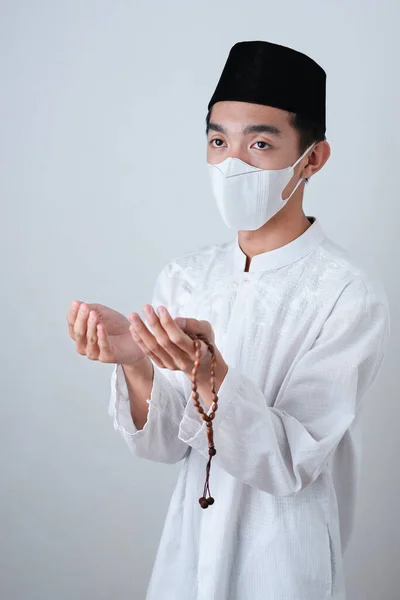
(266, 73)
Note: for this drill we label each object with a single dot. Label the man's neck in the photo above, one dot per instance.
(277, 232)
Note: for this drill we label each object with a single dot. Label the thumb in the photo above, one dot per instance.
(195, 326)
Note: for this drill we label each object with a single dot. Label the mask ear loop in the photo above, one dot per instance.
(301, 178)
(303, 155)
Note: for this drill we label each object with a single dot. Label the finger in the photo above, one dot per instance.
(171, 337)
(199, 326)
(80, 328)
(92, 347)
(157, 360)
(138, 340)
(136, 337)
(196, 326)
(175, 333)
(103, 341)
(148, 343)
(71, 317)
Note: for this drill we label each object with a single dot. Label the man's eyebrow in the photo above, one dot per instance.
(261, 128)
(257, 128)
(215, 127)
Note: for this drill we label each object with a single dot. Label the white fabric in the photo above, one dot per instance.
(247, 196)
(303, 333)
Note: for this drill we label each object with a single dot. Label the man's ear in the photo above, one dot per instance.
(316, 159)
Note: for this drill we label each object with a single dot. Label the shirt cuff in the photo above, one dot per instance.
(192, 428)
(119, 408)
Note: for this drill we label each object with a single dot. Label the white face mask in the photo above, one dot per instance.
(247, 197)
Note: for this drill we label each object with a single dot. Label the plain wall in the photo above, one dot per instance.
(102, 181)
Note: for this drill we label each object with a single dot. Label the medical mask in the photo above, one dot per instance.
(247, 196)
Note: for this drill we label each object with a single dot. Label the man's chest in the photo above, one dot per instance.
(260, 326)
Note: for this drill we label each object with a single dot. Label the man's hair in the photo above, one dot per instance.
(308, 131)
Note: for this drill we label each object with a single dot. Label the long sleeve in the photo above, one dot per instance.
(158, 439)
(281, 445)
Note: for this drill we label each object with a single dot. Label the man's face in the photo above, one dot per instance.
(259, 135)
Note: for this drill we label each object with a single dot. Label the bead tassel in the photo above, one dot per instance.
(205, 501)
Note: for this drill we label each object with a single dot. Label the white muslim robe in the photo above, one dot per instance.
(303, 333)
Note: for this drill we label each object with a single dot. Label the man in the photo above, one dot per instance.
(300, 331)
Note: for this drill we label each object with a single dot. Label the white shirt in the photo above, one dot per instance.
(303, 333)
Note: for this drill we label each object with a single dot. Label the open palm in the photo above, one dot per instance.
(102, 334)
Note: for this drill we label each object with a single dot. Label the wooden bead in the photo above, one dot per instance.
(210, 500)
(195, 395)
(203, 502)
(212, 451)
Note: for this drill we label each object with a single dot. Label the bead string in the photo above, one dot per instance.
(198, 338)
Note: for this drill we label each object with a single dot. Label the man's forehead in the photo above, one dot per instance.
(248, 117)
(245, 128)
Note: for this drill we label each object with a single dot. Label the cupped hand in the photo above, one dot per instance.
(168, 344)
(102, 334)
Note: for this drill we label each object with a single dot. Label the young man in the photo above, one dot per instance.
(300, 331)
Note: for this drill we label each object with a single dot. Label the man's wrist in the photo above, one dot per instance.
(141, 368)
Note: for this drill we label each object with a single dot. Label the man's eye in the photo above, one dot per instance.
(217, 140)
(266, 145)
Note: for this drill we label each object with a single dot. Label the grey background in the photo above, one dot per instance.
(102, 181)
